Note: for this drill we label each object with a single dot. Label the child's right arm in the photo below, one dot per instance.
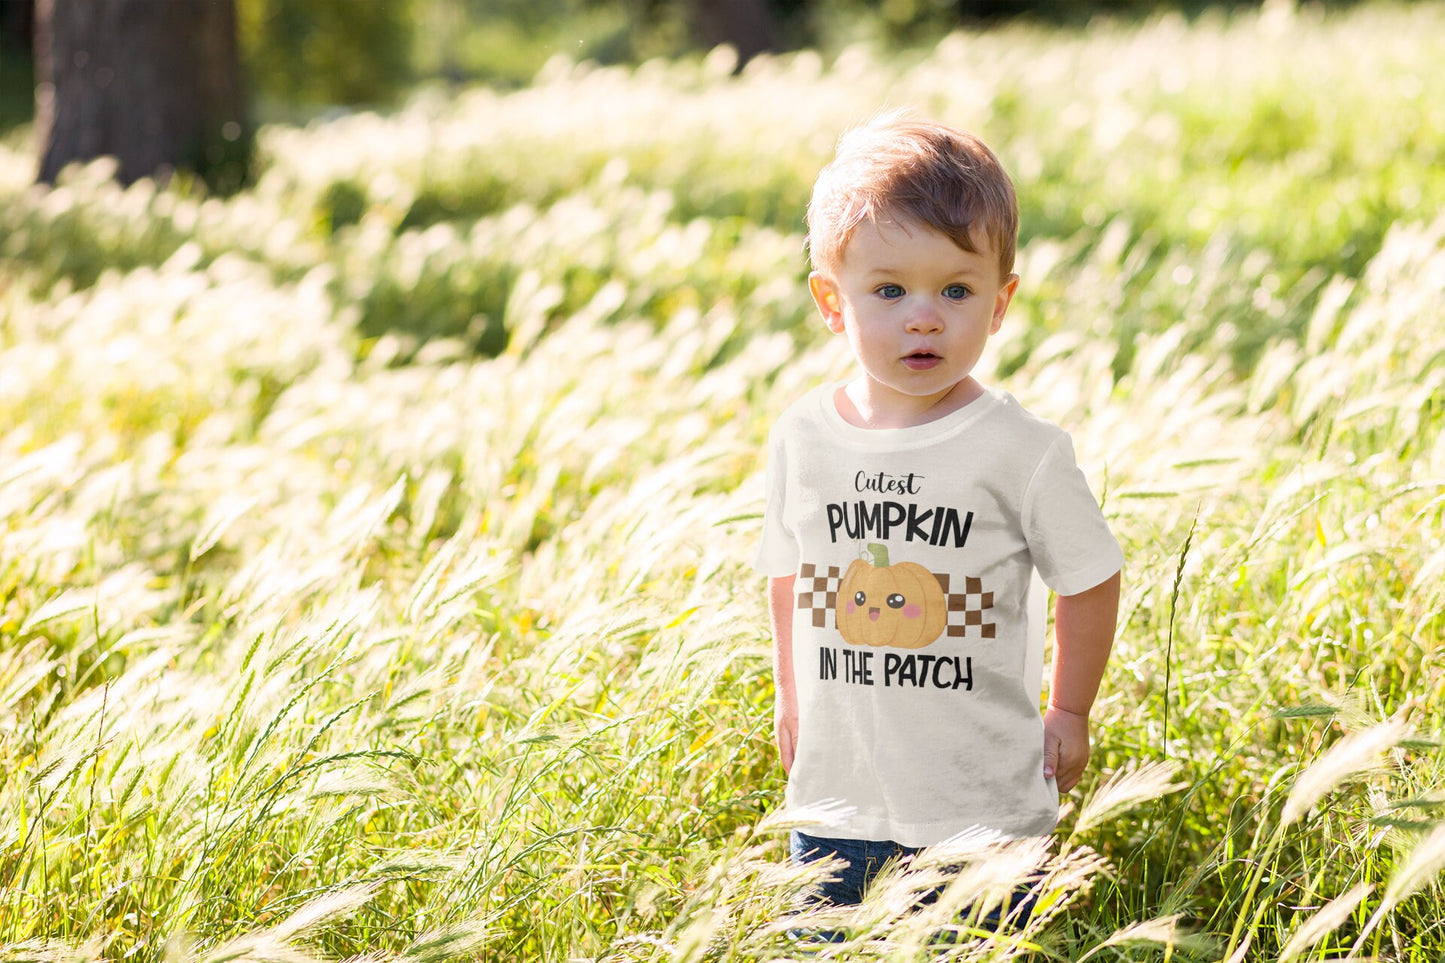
(785, 701)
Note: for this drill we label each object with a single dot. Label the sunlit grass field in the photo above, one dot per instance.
(373, 543)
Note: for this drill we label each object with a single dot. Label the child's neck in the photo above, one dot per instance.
(863, 404)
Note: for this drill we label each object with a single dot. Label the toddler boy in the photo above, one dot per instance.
(907, 511)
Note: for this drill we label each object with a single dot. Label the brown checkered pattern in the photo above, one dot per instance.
(972, 602)
(817, 590)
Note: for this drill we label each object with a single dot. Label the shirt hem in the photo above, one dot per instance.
(1087, 578)
(931, 834)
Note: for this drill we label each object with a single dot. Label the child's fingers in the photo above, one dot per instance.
(1068, 780)
(787, 736)
(1066, 747)
(1071, 770)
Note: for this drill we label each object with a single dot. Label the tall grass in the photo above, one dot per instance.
(373, 544)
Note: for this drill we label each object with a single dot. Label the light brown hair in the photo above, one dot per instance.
(911, 170)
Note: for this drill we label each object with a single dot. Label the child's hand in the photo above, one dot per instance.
(785, 732)
(1066, 746)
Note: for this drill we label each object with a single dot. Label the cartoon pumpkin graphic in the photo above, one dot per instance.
(880, 604)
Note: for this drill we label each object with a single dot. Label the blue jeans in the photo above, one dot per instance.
(864, 858)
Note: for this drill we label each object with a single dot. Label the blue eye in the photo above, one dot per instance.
(890, 291)
(955, 292)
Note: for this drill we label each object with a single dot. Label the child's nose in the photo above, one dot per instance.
(923, 319)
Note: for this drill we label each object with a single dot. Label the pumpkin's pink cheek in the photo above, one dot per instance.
(851, 607)
(912, 611)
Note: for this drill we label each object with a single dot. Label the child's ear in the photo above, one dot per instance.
(825, 296)
(1002, 300)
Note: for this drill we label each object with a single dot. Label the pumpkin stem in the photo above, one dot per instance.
(879, 553)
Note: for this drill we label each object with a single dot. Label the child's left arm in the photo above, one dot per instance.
(1083, 636)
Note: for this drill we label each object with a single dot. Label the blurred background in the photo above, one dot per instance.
(374, 514)
(287, 60)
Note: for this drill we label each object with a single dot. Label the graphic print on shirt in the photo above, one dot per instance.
(881, 604)
(825, 589)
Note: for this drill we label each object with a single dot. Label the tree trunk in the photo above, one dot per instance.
(155, 83)
(748, 25)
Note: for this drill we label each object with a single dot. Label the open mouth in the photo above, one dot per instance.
(921, 359)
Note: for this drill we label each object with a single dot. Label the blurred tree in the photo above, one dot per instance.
(328, 51)
(749, 26)
(993, 9)
(154, 83)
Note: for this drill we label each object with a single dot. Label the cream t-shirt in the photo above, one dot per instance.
(917, 655)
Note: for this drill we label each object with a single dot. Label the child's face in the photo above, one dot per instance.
(917, 310)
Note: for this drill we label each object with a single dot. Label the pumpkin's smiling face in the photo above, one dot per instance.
(900, 605)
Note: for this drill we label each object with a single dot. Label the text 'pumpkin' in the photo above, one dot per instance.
(880, 604)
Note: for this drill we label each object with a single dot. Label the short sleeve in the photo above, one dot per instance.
(1069, 539)
(777, 554)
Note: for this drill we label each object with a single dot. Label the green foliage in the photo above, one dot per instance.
(17, 91)
(373, 542)
(324, 52)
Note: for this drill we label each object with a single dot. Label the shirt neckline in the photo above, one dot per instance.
(913, 436)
